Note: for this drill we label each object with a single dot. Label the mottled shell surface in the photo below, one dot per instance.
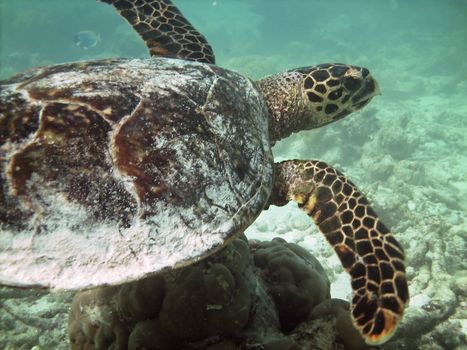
(113, 170)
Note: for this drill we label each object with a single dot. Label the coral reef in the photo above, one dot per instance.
(268, 295)
(31, 317)
(411, 173)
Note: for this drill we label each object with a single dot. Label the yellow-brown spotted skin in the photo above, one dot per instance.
(310, 97)
(164, 29)
(366, 248)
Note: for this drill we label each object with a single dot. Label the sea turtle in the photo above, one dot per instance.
(113, 170)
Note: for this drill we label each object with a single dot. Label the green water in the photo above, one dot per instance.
(407, 150)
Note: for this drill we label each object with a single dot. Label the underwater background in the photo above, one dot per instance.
(407, 150)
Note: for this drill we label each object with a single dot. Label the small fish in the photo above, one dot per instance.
(86, 39)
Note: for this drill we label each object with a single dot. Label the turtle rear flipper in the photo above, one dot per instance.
(366, 248)
(164, 29)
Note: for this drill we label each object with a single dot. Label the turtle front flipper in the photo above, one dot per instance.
(164, 29)
(366, 248)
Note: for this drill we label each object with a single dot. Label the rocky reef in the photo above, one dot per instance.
(33, 319)
(251, 295)
(405, 160)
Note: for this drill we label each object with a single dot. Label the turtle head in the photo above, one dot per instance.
(310, 97)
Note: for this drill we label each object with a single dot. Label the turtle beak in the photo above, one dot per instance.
(370, 88)
(377, 89)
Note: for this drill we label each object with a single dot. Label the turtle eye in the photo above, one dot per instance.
(351, 83)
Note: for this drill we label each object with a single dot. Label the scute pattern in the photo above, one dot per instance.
(164, 29)
(310, 97)
(322, 83)
(66, 130)
(366, 248)
(18, 120)
(134, 165)
(15, 126)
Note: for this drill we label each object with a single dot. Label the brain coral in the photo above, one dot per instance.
(248, 294)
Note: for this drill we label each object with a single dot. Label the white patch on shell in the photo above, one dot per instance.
(71, 256)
